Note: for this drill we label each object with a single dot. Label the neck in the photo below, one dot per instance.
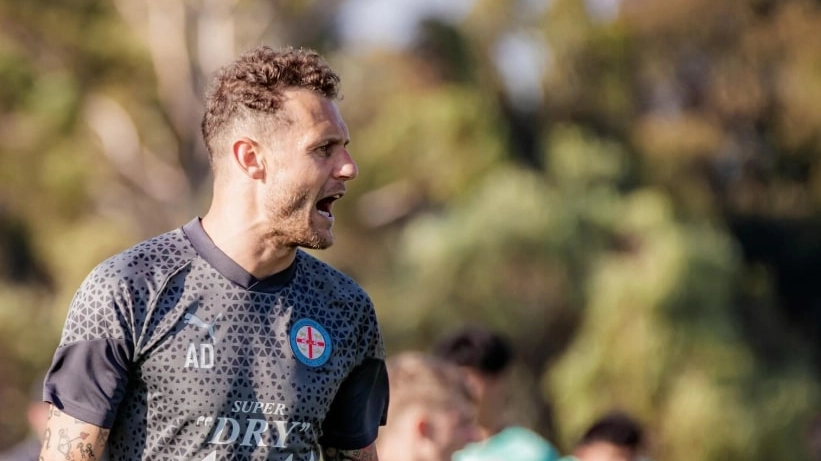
(245, 241)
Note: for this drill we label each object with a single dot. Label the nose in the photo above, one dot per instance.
(347, 168)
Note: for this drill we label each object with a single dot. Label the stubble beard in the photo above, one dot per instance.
(293, 224)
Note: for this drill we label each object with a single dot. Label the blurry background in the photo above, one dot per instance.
(630, 189)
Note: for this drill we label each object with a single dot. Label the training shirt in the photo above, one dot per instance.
(184, 355)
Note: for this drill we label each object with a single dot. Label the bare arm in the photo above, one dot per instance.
(68, 439)
(363, 454)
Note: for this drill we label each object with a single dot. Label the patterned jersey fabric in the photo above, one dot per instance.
(186, 356)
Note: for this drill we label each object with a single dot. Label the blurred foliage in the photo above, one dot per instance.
(630, 189)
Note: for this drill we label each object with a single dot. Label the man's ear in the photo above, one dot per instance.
(247, 155)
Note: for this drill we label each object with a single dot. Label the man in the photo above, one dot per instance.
(222, 340)
(486, 358)
(615, 436)
(432, 413)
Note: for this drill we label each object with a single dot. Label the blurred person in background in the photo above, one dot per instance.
(486, 358)
(36, 416)
(616, 436)
(223, 339)
(432, 414)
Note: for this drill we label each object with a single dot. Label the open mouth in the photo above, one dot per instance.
(324, 205)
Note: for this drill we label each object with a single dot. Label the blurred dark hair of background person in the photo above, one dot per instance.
(616, 436)
(485, 356)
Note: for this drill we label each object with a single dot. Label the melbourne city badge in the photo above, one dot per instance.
(310, 342)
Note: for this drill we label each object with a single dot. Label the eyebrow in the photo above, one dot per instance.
(334, 139)
(328, 140)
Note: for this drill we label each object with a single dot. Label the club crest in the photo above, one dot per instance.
(310, 342)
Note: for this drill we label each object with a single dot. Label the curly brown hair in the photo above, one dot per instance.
(254, 84)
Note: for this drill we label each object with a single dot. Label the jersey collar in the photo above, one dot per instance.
(226, 266)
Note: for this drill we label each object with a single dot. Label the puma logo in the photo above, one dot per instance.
(191, 319)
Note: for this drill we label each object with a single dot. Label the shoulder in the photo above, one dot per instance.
(121, 289)
(151, 258)
(138, 270)
(325, 278)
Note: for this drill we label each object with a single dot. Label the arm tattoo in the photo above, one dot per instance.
(86, 451)
(102, 436)
(365, 454)
(71, 439)
(83, 449)
(64, 444)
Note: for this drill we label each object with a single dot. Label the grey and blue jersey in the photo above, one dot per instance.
(184, 355)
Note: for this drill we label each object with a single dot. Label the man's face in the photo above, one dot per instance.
(308, 164)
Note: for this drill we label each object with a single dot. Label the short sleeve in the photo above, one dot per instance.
(89, 372)
(359, 408)
(87, 380)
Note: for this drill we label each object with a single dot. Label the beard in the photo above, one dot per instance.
(293, 223)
